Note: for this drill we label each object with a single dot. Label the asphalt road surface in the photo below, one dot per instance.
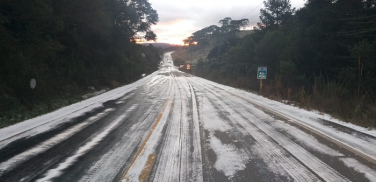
(172, 126)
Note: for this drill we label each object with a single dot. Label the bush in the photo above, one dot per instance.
(8, 103)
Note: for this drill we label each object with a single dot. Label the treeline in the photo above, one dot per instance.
(322, 56)
(68, 46)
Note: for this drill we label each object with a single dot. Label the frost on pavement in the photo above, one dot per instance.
(56, 172)
(368, 172)
(211, 120)
(306, 139)
(229, 159)
(304, 117)
(51, 120)
(42, 147)
(171, 126)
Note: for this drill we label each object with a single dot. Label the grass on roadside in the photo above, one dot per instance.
(17, 112)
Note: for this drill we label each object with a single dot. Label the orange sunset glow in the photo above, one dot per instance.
(179, 19)
(173, 32)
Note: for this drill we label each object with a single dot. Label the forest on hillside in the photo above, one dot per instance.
(67, 46)
(321, 56)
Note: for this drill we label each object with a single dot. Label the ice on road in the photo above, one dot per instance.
(172, 126)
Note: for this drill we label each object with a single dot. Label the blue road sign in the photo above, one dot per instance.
(261, 72)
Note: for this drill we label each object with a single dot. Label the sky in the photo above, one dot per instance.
(178, 19)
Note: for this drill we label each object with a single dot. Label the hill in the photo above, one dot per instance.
(161, 45)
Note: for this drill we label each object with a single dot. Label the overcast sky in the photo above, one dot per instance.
(178, 19)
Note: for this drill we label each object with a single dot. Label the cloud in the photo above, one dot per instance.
(180, 18)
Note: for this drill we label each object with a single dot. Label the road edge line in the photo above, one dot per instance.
(340, 144)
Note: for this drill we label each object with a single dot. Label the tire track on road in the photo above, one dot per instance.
(258, 130)
(112, 162)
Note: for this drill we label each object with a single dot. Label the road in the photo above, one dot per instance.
(172, 126)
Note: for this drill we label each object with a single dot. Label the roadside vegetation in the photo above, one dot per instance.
(322, 56)
(68, 46)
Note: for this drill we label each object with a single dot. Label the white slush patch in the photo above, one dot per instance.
(303, 115)
(53, 173)
(357, 166)
(51, 120)
(308, 118)
(24, 156)
(210, 118)
(229, 159)
(305, 138)
(135, 169)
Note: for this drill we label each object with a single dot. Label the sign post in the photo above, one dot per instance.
(261, 74)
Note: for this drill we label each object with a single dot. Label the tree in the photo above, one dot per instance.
(230, 27)
(275, 12)
(325, 53)
(273, 48)
(133, 17)
(150, 35)
(361, 52)
(201, 37)
(69, 45)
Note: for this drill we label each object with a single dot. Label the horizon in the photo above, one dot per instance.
(178, 20)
